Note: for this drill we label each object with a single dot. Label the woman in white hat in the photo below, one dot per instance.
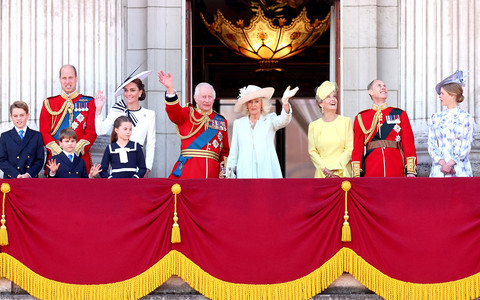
(143, 120)
(330, 138)
(252, 151)
(450, 134)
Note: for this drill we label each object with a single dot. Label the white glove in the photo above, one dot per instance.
(288, 94)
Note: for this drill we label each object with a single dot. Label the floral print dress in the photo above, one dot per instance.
(450, 137)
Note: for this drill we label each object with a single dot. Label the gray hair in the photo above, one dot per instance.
(202, 84)
(370, 85)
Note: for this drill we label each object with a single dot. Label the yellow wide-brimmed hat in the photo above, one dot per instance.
(325, 89)
(251, 92)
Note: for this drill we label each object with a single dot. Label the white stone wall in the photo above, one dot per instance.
(38, 37)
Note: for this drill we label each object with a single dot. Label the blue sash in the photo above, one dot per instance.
(197, 144)
(79, 106)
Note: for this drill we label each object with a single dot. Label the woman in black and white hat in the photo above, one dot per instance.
(252, 151)
(143, 120)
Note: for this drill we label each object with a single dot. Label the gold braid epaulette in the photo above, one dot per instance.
(54, 113)
(376, 124)
(203, 121)
(63, 110)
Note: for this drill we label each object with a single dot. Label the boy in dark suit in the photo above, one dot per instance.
(69, 164)
(21, 148)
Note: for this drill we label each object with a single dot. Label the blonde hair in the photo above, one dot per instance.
(266, 107)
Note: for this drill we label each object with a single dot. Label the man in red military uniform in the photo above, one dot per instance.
(383, 143)
(204, 135)
(69, 109)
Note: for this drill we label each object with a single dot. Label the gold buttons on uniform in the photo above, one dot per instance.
(28, 167)
(28, 156)
(69, 172)
(18, 157)
(18, 168)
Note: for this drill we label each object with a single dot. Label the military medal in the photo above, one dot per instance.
(393, 119)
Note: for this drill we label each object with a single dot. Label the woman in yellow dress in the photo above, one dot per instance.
(330, 138)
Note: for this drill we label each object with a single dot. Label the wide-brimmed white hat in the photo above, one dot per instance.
(251, 92)
(141, 76)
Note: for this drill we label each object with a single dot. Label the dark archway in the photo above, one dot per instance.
(212, 62)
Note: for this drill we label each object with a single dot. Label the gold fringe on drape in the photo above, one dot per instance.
(175, 263)
(44, 288)
(303, 288)
(390, 288)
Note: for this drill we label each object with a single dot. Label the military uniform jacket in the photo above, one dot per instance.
(184, 118)
(67, 169)
(19, 156)
(75, 111)
(383, 161)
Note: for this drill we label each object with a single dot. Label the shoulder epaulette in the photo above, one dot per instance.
(219, 114)
(48, 98)
(363, 111)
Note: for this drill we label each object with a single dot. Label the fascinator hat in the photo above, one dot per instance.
(325, 89)
(457, 77)
(251, 92)
(141, 76)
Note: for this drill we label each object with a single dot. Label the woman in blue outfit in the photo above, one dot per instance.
(124, 156)
(450, 133)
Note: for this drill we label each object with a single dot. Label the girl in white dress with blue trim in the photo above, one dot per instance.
(124, 156)
(450, 133)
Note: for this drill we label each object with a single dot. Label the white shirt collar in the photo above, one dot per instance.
(66, 153)
(18, 130)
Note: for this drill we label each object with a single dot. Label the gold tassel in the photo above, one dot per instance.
(3, 229)
(346, 232)
(176, 238)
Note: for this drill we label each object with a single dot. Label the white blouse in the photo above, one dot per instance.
(143, 127)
